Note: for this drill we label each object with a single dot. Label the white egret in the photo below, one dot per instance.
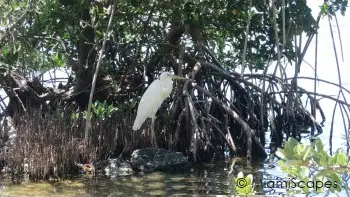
(152, 99)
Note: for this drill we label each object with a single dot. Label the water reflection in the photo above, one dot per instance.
(209, 179)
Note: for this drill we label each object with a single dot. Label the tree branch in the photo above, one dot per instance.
(88, 118)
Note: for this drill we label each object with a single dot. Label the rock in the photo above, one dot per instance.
(118, 167)
(158, 159)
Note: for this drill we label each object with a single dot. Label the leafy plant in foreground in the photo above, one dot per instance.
(243, 185)
(312, 167)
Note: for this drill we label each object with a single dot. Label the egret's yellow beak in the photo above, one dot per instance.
(177, 77)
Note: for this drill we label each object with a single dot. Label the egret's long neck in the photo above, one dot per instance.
(167, 86)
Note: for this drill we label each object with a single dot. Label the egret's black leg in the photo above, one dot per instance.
(153, 136)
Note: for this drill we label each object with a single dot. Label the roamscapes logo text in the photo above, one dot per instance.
(294, 183)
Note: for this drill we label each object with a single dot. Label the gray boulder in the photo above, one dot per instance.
(158, 159)
(118, 167)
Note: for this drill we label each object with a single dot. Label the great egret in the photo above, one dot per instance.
(152, 99)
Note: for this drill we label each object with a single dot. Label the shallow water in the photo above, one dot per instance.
(202, 180)
(209, 179)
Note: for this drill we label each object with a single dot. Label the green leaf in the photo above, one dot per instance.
(341, 159)
(325, 8)
(292, 142)
(336, 180)
(289, 147)
(294, 163)
(195, 16)
(298, 150)
(58, 60)
(322, 158)
(249, 179)
(248, 189)
(319, 144)
(306, 152)
(305, 189)
(4, 51)
(334, 176)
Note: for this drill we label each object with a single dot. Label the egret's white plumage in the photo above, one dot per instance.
(152, 99)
